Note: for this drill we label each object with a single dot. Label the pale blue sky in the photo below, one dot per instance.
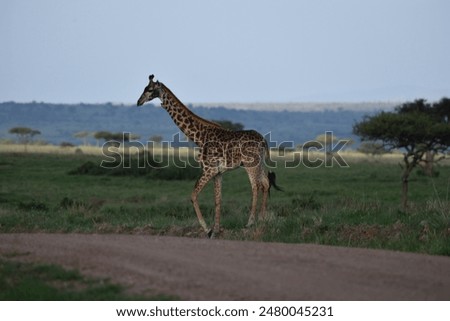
(225, 51)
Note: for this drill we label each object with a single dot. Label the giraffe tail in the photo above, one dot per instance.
(272, 181)
(271, 175)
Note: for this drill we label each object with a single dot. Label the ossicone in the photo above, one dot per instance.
(151, 77)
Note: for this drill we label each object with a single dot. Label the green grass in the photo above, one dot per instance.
(43, 282)
(356, 206)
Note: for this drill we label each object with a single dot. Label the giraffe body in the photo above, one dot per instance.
(220, 150)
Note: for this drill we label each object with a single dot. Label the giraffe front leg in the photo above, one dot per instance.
(201, 183)
(218, 203)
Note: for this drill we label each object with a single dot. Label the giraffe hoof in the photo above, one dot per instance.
(210, 234)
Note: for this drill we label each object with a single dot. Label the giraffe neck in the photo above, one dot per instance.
(193, 126)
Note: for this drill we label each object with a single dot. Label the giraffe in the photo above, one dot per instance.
(220, 150)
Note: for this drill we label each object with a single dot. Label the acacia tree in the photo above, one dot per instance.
(112, 139)
(327, 140)
(83, 135)
(439, 112)
(24, 134)
(415, 128)
(105, 135)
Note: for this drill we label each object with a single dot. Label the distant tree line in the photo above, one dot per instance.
(228, 124)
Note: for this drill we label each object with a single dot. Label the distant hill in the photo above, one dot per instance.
(293, 122)
(304, 107)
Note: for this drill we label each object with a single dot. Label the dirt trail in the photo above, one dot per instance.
(202, 269)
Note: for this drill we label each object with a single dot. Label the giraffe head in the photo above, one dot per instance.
(151, 91)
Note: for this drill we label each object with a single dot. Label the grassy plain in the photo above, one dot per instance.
(352, 206)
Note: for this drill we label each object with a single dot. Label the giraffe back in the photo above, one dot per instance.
(228, 149)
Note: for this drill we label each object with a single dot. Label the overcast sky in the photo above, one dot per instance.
(225, 51)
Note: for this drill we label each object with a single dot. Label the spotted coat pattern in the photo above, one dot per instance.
(220, 150)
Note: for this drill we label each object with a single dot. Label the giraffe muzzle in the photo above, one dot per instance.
(140, 102)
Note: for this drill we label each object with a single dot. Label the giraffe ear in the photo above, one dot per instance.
(151, 77)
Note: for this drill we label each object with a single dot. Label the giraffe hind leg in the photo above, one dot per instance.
(251, 171)
(218, 203)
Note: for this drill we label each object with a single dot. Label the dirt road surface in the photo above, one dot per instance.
(202, 269)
